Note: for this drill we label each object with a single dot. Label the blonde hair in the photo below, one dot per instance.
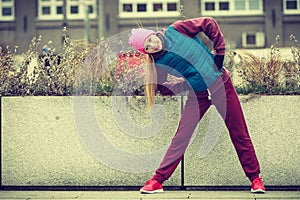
(151, 81)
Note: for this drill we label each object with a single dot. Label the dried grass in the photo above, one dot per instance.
(91, 69)
(271, 74)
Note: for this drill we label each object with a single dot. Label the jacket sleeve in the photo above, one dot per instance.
(208, 25)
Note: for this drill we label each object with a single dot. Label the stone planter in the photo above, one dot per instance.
(83, 141)
(273, 123)
(112, 141)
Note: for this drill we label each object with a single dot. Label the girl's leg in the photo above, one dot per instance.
(235, 122)
(193, 111)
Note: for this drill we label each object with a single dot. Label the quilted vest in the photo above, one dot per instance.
(189, 58)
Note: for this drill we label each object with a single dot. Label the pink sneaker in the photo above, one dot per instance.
(152, 186)
(258, 186)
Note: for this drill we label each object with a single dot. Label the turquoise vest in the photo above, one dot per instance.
(189, 58)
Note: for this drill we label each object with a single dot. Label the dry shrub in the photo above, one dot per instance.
(292, 69)
(271, 74)
(36, 74)
(46, 73)
(14, 80)
(91, 69)
(79, 69)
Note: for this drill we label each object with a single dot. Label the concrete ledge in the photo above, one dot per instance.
(48, 141)
(112, 141)
(273, 123)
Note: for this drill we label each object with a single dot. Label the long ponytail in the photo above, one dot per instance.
(151, 81)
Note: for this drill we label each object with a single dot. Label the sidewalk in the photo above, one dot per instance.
(135, 195)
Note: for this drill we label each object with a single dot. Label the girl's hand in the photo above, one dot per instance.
(218, 59)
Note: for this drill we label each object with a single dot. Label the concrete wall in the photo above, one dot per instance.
(102, 141)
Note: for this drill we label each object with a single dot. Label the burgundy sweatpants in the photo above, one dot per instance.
(224, 97)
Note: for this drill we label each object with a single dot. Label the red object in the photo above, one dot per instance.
(258, 186)
(130, 61)
(152, 186)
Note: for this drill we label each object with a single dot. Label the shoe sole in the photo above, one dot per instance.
(151, 192)
(258, 191)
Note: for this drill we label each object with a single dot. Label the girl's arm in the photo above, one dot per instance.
(208, 25)
(173, 87)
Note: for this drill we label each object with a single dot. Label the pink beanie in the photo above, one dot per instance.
(138, 38)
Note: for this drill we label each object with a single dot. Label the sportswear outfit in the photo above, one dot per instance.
(202, 74)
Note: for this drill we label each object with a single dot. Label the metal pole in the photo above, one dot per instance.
(100, 19)
(64, 24)
(86, 23)
(182, 186)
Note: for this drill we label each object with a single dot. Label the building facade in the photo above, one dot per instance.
(244, 23)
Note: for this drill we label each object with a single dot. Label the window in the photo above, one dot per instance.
(50, 9)
(172, 6)
(240, 5)
(254, 5)
(59, 10)
(157, 7)
(224, 5)
(142, 7)
(216, 5)
(231, 7)
(46, 10)
(291, 7)
(148, 8)
(91, 9)
(127, 8)
(7, 12)
(210, 6)
(250, 39)
(253, 39)
(76, 9)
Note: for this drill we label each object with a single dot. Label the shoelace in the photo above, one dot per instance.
(150, 181)
(257, 182)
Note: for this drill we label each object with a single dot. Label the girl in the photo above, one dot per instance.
(178, 51)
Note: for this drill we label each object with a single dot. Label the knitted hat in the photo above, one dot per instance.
(138, 38)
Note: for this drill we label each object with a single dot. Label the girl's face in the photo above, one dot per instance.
(153, 44)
